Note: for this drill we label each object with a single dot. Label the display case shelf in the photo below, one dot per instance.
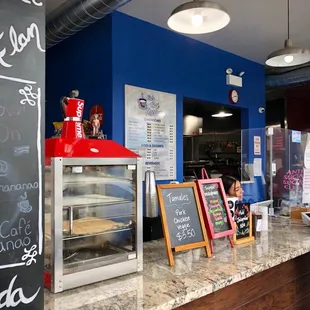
(72, 237)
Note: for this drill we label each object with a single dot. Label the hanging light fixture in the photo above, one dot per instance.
(222, 114)
(289, 55)
(198, 17)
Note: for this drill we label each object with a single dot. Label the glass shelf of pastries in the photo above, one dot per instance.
(93, 221)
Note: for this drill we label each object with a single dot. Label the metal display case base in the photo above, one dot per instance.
(152, 229)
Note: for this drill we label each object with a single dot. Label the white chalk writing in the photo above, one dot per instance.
(3, 168)
(20, 41)
(11, 112)
(181, 197)
(2, 54)
(33, 2)
(12, 298)
(21, 150)
(18, 187)
(182, 222)
(31, 98)
(14, 79)
(7, 134)
(30, 255)
(24, 205)
(12, 238)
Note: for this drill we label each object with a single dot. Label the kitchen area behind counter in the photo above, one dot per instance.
(258, 273)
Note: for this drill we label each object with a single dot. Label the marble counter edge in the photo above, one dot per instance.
(204, 291)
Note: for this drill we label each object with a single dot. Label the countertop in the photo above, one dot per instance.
(160, 287)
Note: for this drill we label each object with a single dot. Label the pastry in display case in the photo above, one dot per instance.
(93, 212)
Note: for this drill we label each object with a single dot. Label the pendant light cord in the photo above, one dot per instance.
(288, 19)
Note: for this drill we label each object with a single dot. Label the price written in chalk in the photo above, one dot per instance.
(182, 221)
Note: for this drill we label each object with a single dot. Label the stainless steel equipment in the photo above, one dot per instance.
(93, 220)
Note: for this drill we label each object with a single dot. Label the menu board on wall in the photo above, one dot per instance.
(150, 129)
(22, 82)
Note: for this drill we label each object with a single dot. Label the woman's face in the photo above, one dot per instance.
(236, 190)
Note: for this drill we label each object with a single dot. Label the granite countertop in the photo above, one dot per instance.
(160, 287)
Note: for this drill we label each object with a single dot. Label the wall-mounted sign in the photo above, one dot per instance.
(150, 129)
(296, 136)
(182, 219)
(22, 123)
(257, 145)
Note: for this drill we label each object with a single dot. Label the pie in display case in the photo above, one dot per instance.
(93, 219)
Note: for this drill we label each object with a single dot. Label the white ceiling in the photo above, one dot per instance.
(257, 27)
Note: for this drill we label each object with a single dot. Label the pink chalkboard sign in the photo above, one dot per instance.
(215, 209)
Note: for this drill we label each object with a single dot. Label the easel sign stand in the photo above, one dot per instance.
(216, 211)
(204, 174)
(182, 219)
(243, 224)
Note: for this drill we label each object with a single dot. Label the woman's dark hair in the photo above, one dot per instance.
(228, 182)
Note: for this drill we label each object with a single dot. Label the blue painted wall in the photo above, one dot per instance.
(123, 50)
(152, 57)
(83, 61)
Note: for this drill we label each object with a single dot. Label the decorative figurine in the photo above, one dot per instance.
(96, 124)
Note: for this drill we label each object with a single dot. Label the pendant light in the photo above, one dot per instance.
(198, 17)
(222, 114)
(289, 55)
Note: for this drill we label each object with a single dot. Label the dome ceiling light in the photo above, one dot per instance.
(289, 55)
(198, 17)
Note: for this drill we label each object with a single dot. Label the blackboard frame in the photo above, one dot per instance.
(169, 249)
(212, 235)
(248, 238)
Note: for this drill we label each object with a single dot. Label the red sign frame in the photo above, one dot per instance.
(208, 222)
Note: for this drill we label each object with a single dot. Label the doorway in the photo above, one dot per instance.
(211, 139)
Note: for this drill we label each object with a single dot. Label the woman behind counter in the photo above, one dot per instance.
(232, 187)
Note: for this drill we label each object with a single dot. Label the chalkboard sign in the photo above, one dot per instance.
(243, 223)
(22, 90)
(182, 219)
(215, 208)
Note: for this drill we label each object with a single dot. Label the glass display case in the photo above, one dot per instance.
(93, 220)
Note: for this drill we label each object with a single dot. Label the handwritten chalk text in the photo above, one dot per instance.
(12, 298)
(18, 187)
(20, 41)
(33, 2)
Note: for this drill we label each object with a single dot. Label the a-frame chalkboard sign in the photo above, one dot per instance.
(216, 211)
(182, 219)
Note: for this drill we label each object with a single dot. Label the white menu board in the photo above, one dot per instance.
(150, 129)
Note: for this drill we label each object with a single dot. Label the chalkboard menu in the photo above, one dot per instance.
(22, 82)
(242, 220)
(181, 218)
(215, 208)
